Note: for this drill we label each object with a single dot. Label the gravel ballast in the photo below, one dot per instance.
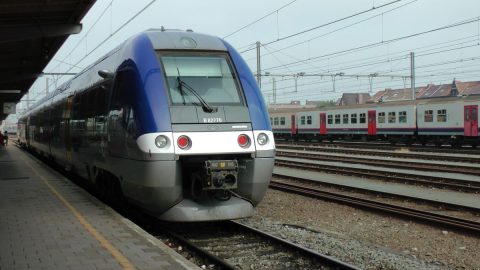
(365, 239)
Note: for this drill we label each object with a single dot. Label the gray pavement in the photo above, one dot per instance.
(47, 222)
(438, 195)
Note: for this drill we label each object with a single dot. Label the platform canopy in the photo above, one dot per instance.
(31, 32)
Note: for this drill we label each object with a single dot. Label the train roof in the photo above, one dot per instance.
(161, 39)
(379, 104)
(183, 40)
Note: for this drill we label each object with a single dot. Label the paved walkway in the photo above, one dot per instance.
(47, 222)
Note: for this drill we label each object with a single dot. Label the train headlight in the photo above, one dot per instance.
(161, 141)
(262, 139)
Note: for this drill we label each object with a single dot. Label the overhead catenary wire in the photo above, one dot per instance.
(402, 54)
(326, 24)
(254, 22)
(108, 37)
(375, 44)
(83, 37)
(339, 29)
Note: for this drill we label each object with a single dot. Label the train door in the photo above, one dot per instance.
(323, 124)
(293, 125)
(372, 123)
(471, 120)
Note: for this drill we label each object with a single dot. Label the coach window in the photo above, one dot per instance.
(309, 120)
(442, 115)
(353, 118)
(402, 117)
(428, 117)
(330, 119)
(302, 120)
(381, 117)
(363, 118)
(275, 121)
(345, 118)
(282, 120)
(337, 118)
(392, 118)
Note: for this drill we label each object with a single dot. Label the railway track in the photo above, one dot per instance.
(388, 147)
(232, 245)
(383, 153)
(461, 225)
(422, 180)
(385, 163)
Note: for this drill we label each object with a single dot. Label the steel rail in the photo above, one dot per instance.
(387, 146)
(432, 181)
(386, 163)
(375, 152)
(328, 260)
(245, 230)
(425, 216)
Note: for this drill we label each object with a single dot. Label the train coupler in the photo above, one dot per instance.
(220, 174)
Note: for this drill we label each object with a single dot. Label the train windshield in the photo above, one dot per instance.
(200, 79)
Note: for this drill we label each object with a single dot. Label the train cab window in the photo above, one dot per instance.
(353, 118)
(474, 114)
(381, 117)
(302, 120)
(309, 120)
(330, 119)
(363, 118)
(442, 115)
(345, 118)
(337, 118)
(428, 117)
(282, 120)
(402, 117)
(275, 121)
(193, 77)
(392, 118)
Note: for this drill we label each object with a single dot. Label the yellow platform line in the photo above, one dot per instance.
(122, 260)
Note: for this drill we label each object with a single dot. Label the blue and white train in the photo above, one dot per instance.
(172, 121)
(452, 120)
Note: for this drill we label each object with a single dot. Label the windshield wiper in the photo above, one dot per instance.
(205, 106)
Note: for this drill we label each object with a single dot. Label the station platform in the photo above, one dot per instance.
(454, 198)
(47, 222)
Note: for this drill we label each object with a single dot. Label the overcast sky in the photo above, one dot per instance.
(328, 50)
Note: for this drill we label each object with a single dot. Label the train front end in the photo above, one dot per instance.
(218, 157)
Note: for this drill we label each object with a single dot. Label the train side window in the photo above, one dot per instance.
(282, 120)
(275, 121)
(428, 117)
(345, 118)
(330, 119)
(363, 118)
(337, 118)
(442, 115)
(302, 120)
(309, 120)
(353, 118)
(392, 118)
(402, 117)
(381, 117)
